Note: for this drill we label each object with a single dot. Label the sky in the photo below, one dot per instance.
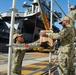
(5, 5)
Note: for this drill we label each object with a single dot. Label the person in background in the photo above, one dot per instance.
(72, 8)
(72, 15)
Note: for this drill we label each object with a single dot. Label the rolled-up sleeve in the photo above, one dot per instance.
(64, 32)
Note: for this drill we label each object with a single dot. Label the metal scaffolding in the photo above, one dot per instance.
(13, 9)
(12, 30)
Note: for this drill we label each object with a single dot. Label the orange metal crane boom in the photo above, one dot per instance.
(43, 7)
(45, 21)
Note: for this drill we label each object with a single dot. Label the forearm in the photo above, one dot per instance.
(53, 35)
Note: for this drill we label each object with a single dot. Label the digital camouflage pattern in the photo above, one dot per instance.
(18, 55)
(66, 50)
(72, 15)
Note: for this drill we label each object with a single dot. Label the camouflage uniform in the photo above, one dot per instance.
(18, 55)
(72, 15)
(66, 50)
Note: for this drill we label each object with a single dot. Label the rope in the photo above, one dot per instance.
(63, 10)
(60, 7)
(55, 15)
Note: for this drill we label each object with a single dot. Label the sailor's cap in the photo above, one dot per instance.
(72, 7)
(17, 35)
(66, 18)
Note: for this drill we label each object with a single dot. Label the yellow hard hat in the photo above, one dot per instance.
(16, 35)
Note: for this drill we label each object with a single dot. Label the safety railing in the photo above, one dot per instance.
(52, 67)
(11, 33)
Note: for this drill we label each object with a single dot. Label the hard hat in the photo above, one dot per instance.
(72, 7)
(16, 35)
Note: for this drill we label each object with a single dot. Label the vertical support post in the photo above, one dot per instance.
(68, 6)
(51, 14)
(50, 55)
(11, 35)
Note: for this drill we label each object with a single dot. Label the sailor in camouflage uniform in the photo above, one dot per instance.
(19, 52)
(18, 55)
(66, 49)
(72, 15)
(72, 8)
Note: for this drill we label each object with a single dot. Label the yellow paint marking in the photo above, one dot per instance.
(3, 58)
(39, 54)
(43, 62)
(26, 72)
(46, 62)
(56, 62)
(36, 66)
(52, 67)
(5, 71)
(38, 73)
(51, 74)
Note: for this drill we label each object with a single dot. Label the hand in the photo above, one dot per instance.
(43, 33)
(51, 31)
(39, 43)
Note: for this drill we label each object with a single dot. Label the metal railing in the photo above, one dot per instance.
(49, 66)
(10, 46)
